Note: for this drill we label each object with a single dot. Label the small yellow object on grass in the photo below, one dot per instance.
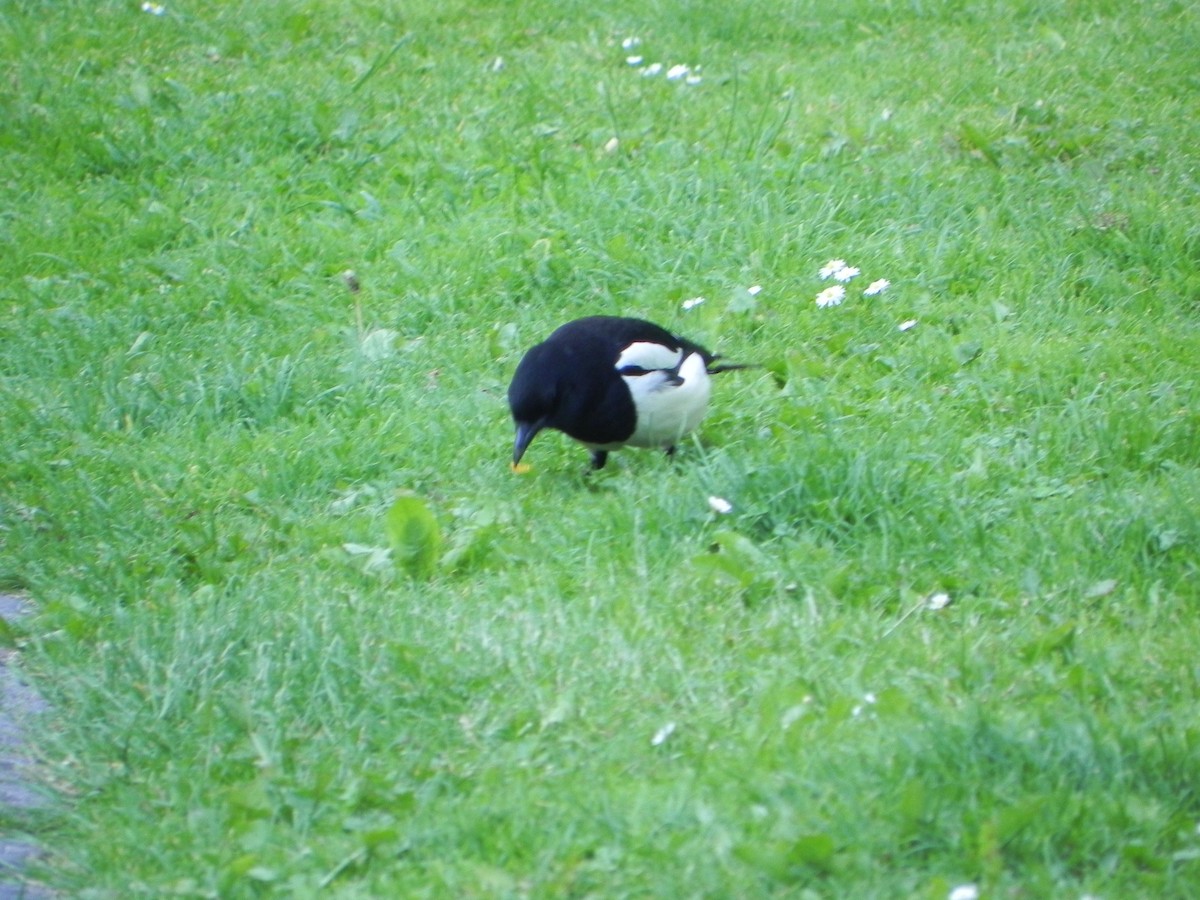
(520, 468)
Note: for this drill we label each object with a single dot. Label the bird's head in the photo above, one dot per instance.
(533, 400)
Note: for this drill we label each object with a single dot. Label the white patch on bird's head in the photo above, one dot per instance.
(649, 356)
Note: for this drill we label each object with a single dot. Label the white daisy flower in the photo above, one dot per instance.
(662, 734)
(720, 505)
(869, 699)
(832, 267)
(677, 71)
(831, 296)
(907, 324)
(838, 270)
(964, 892)
(154, 9)
(876, 287)
(630, 42)
(692, 303)
(633, 60)
(693, 79)
(753, 289)
(652, 70)
(937, 601)
(611, 145)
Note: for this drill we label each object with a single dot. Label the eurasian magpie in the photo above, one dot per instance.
(610, 382)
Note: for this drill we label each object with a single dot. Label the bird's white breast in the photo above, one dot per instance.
(668, 407)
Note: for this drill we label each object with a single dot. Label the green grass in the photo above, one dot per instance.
(604, 688)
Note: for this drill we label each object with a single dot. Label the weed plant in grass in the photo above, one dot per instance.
(944, 634)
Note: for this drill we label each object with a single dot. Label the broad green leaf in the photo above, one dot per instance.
(470, 546)
(1060, 640)
(619, 247)
(378, 345)
(814, 850)
(414, 535)
(742, 301)
(912, 802)
(733, 561)
(967, 352)
(974, 139)
(1101, 589)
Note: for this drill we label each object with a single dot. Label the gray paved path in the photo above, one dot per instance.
(17, 792)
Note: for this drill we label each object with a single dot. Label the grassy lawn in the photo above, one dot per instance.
(946, 636)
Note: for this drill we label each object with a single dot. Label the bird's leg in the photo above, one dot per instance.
(671, 452)
(599, 458)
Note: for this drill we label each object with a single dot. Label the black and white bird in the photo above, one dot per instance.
(611, 382)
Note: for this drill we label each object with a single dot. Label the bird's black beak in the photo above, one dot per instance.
(526, 431)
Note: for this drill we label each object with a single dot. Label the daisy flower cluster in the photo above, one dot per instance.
(869, 700)
(154, 9)
(843, 273)
(837, 270)
(675, 72)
